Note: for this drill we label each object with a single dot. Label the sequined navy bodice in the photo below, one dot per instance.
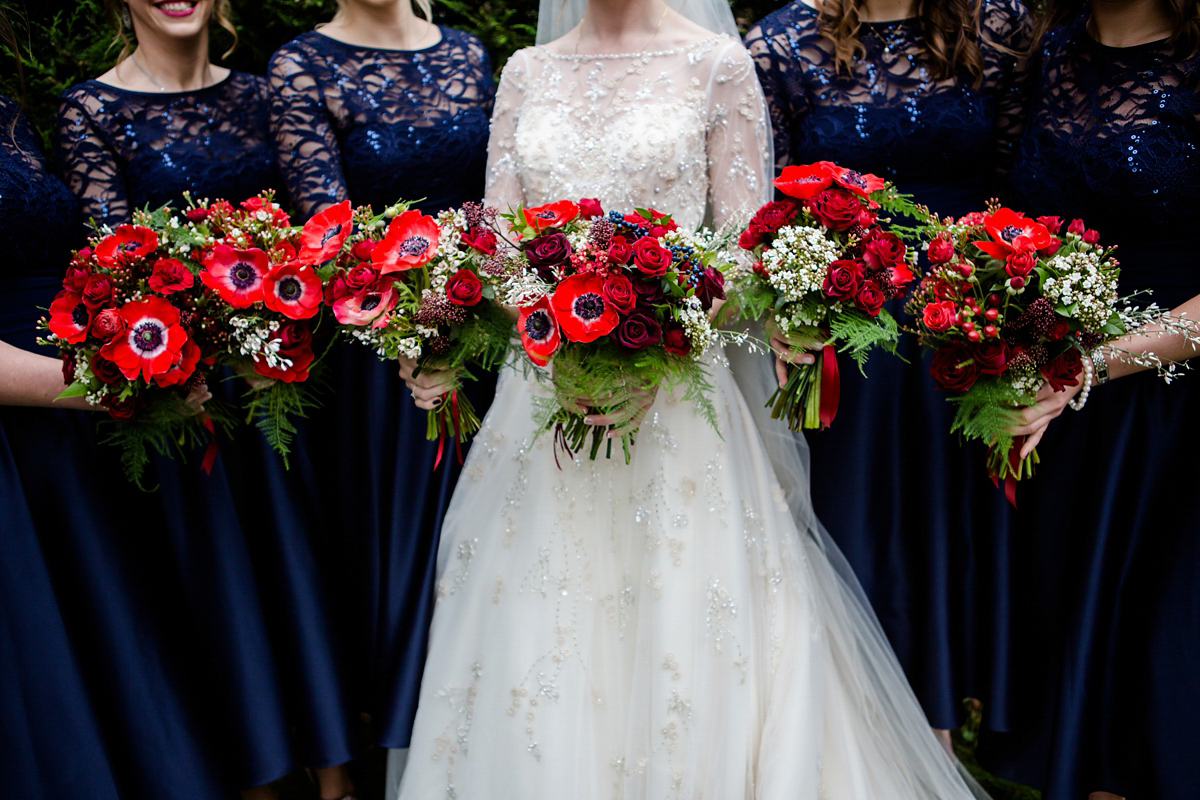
(376, 126)
(1114, 139)
(944, 141)
(122, 150)
(39, 224)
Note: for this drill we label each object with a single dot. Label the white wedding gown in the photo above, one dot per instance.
(678, 627)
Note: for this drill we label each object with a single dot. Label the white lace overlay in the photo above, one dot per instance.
(675, 627)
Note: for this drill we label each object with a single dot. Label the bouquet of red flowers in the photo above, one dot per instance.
(1011, 304)
(405, 283)
(619, 302)
(825, 268)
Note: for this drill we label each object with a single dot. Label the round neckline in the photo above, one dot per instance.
(1132, 49)
(643, 54)
(441, 40)
(882, 23)
(210, 87)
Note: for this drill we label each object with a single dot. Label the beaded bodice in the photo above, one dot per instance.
(122, 150)
(1114, 139)
(944, 140)
(376, 126)
(682, 130)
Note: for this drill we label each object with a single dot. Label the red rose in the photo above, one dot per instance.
(336, 289)
(992, 356)
(589, 208)
(360, 278)
(883, 250)
(835, 209)
(618, 290)
(547, 252)
(954, 370)
(68, 367)
(1058, 330)
(97, 291)
(464, 288)
(710, 287)
(677, 342)
(1050, 248)
(295, 345)
(76, 277)
(1020, 263)
(752, 237)
(843, 278)
(939, 317)
(870, 298)
(1053, 224)
(119, 409)
(651, 257)
(481, 240)
(106, 371)
(619, 250)
(170, 275)
(196, 214)
(1076, 227)
(363, 250)
(107, 324)
(1091, 236)
(773, 216)
(941, 251)
(649, 290)
(639, 331)
(1063, 371)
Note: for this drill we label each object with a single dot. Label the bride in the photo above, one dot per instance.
(679, 627)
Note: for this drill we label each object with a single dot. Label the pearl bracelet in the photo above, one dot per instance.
(1088, 371)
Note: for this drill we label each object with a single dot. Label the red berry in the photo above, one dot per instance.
(1017, 282)
(969, 327)
(973, 336)
(990, 331)
(994, 299)
(992, 314)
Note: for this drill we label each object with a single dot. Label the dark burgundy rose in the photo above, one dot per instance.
(97, 291)
(639, 331)
(710, 287)
(106, 371)
(589, 208)
(107, 324)
(1053, 224)
(992, 356)
(68, 368)
(773, 216)
(119, 409)
(836, 209)
(360, 279)
(883, 250)
(481, 240)
(866, 218)
(1020, 263)
(618, 290)
(336, 289)
(649, 291)
(619, 250)
(870, 298)
(941, 251)
(170, 275)
(549, 250)
(1064, 370)
(1058, 330)
(677, 342)
(76, 277)
(651, 257)
(954, 370)
(842, 278)
(292, 335)
(464, 288)
(363, 250)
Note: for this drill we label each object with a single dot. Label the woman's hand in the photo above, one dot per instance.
(790, 349)
(1047, 406)
(197, 397)
(430, 386)
(628, 407)
(245, 371)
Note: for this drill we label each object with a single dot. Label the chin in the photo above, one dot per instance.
(176, 18)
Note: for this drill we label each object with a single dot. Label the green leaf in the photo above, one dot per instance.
(76, 389)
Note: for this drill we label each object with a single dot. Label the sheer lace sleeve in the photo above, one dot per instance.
(309, 155)
(778, 73)
(503, 176)
(1007, 36)
(740, 163)
(90, 164)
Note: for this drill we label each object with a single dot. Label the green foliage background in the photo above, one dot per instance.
(63, 42)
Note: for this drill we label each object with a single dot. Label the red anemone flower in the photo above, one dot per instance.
(1011, 231)
(70, 317)
(539, 331)
(129, 243)
(369, 307)
(182, 369)
(293, 290)
(807, 181)
(861, 183)
(551, 215)
(411, 242)
(153, 340)
(581, 309)
(324, 234)
(236, 275)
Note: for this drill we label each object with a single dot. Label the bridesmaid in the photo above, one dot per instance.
(162, 122)
(1108, 560)
(377, 106)
(926, 94)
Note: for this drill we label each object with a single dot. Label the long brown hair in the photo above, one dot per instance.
(8, 36)
(1184, 16)
(222, 13)
(950, 29)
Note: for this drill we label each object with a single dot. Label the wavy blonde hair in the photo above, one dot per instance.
(222, 13)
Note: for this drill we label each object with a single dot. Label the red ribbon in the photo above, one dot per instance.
(210, 453)
(1014, 465)
(831, 386)
(455, 431)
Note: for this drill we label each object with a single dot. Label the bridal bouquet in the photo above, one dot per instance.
(619, 305)
(825, 268)
(405, 283)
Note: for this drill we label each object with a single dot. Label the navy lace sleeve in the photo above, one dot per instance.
(121, 150)
(1114, 139)
(377, 126)
(888, 115)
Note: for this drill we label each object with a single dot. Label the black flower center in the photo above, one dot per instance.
(243, 275)
(1010, 232)
(414, 246)
(129, 247)
(589, 306)
(80, 315)
(371, 302)
(330, 233)
(290, 289)
(538, 326)
(545, 215)
(148, 336)
(855, 178)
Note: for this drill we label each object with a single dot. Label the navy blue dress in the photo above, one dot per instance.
(376, 126)
(51, 740)
(914, 514)
(242, 545)
(1108, 558)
